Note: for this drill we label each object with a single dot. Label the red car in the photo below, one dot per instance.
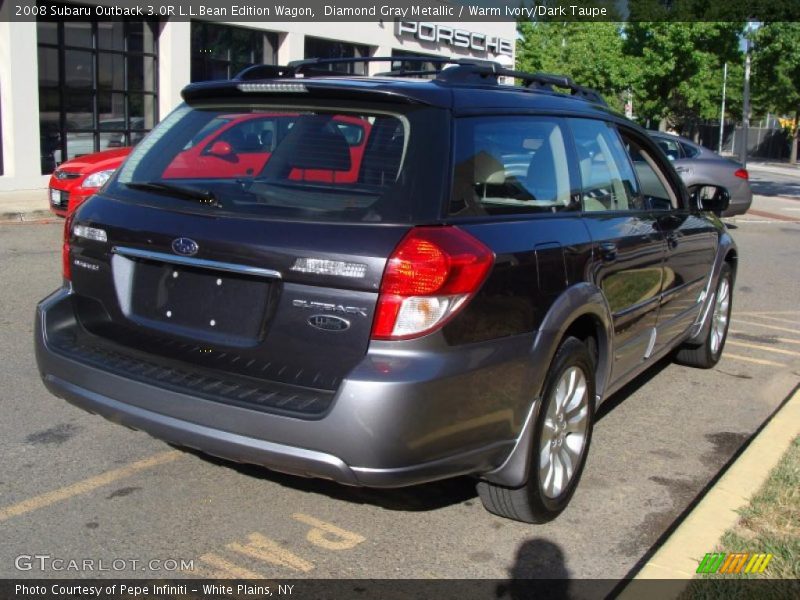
(77, 179)
(228, 146)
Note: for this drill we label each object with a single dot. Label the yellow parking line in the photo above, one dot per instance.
(263, 548)
(85, 486)
(779, 340)
(779, 319)
(770, 312)
(225, 569)
(327, 535)
(757, 361)
(763, 348)
(785, 329)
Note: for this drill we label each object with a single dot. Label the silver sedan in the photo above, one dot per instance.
(698, 165)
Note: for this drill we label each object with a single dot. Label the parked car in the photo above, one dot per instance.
(440, 312)
(698, 165)
(77, 179)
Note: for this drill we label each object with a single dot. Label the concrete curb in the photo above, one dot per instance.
(702, 528)
(27, 217)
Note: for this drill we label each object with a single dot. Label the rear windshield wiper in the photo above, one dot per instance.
(178, 191)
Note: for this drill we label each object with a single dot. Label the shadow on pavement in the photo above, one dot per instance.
(540, 571)
(630, 388)
(425, 497)
(774, 188)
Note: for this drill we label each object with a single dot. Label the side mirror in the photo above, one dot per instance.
(710, 198)
(221, 149)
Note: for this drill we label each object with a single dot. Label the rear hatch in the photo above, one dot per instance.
(246, 244)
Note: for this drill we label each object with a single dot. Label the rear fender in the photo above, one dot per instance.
(576, 301)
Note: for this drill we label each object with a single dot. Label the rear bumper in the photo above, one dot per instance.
(427, 420)
(741, 199)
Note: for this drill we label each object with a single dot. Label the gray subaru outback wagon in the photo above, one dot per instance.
(387, 280)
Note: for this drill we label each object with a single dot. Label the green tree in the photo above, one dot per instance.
(679, 68)
(590, 53)
(776, 72)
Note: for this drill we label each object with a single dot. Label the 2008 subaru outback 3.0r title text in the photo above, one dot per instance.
(385, 281)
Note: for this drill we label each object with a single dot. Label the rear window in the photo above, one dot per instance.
(312, 163)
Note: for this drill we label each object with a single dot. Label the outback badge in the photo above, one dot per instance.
(328, 322)
(184, 246)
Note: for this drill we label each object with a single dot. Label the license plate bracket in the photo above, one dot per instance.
(208, 301)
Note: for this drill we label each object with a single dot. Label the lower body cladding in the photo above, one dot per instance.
(399, 418)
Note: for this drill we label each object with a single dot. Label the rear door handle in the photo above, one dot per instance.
(608, 251)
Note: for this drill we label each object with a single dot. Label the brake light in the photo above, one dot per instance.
(742, 173)
(66, 269)
(428, 278)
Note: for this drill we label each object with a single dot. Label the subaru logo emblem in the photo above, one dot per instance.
(185, 246)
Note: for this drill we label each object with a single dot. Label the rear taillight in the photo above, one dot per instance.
(428, 278)
(742, 173)
(66, 270)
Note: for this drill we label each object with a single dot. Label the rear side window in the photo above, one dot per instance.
(510, 165)
(607, 177)
(308, 163)
(656, 192)
(689, 151)
(669, 147)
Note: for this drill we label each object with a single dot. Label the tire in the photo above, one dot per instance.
(715, 331)
(546, 494)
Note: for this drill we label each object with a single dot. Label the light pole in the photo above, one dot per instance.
(722, 111)
(746, 97)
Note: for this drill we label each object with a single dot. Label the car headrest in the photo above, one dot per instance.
(541, 179)
(487, 169)
(313, 143)
(321, 146)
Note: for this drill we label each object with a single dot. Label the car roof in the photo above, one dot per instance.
(463, 86)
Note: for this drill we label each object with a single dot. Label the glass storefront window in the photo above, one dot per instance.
(221, 51)
(408, 65)
(98, 86)
(111, 35)
(321, 48)
(78, 34)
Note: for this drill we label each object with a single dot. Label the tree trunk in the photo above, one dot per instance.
(795, 138)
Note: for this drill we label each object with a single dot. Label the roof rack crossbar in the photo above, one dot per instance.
(463, 70)
(299, 65)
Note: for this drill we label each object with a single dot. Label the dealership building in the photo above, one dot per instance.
(70, 87)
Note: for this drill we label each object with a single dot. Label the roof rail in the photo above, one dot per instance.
(460, 71)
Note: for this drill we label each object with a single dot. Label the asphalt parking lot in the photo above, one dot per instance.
(75, 487)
